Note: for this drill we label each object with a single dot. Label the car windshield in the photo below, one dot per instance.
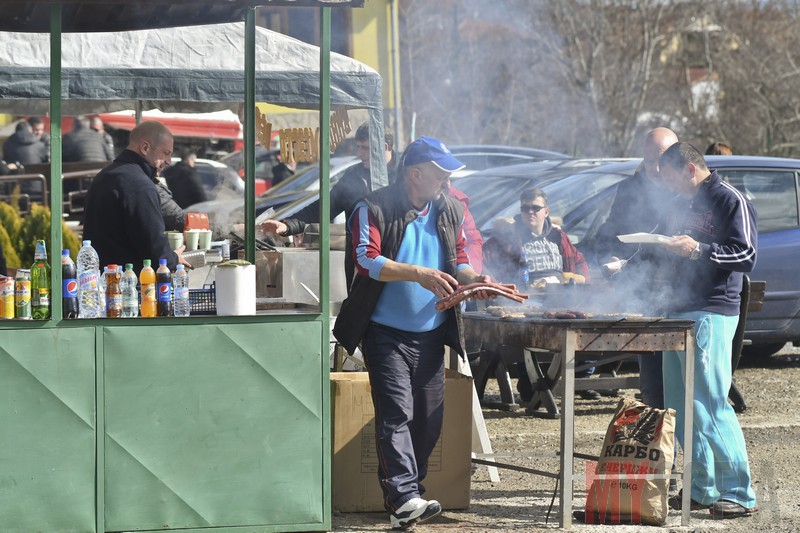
(308, 178)
(568, 193)
(491, 191)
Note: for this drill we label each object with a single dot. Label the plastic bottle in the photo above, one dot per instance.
(40, 283)
(102, 292)
(164, 286)
(130, 296)
(69, 286)
(147, 279)
(88, 266)
(113, 292)
(180, 284)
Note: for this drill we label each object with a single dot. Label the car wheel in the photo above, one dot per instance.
(762, 350)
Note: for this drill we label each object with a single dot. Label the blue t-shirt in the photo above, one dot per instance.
(407, 305)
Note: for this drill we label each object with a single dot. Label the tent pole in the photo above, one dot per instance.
(250, 134)
(137, 112)
(324, 236)
(56, 206)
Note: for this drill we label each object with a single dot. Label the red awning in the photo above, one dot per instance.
(180, 126)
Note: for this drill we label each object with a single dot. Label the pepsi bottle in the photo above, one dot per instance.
(69, 286)
(164, 288)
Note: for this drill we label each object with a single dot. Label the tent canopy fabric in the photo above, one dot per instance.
(183, 69)
(119, 15)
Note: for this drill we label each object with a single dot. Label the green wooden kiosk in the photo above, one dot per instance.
(198, 423)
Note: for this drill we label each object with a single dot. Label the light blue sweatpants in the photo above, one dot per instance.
(720, 469)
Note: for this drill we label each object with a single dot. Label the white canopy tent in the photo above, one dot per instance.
(182, 69)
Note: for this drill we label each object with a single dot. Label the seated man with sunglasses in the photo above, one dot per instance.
(531, 251)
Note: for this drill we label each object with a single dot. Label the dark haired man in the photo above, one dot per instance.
(354, 185)
(715, 243)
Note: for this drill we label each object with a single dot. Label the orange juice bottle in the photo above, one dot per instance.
(147, 279)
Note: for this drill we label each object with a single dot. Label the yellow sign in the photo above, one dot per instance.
(302, 144)
(263, 128)
(340, 126)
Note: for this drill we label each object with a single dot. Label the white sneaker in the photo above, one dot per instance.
(413, 511)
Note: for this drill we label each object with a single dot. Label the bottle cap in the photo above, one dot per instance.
(146, 262)
(112, 268)
(64, 252)
(87, 243)
(162, 262)
(179, 267)
(128, 266)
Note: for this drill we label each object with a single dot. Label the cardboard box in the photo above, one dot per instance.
(355, 462)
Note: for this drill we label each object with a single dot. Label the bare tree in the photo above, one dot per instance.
(589, 76)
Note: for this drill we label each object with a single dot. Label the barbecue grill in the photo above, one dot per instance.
(597, 333)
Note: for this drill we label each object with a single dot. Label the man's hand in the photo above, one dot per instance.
(681, 245)
(483, 295)
(439, 283)
(181, 260)
(276, 227)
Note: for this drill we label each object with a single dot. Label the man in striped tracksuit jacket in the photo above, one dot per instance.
(714, 244)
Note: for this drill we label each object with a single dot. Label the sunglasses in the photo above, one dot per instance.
(531, 208)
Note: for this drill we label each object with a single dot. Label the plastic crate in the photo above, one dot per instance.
(203, 301)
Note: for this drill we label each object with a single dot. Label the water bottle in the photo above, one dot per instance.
(69, 286)
(180, 287)
(163, 289)
(130, 297)
(88, 282)
(103, 292)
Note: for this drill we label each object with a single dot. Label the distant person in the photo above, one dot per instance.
(37, 125)
(24, 147)
(84, 144)
(283, 170)
(719, 149)
(97, 125)
(184, 181)
(123, 216)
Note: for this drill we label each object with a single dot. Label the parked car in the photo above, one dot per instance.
(493, 190)
(484, 156)
(219, 180)
(298, 186)
(583, 201)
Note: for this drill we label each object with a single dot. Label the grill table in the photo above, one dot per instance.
(564, 337)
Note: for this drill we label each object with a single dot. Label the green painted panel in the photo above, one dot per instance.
(47, 440)
(213, 425)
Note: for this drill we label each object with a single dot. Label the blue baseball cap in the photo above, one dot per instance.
(428, 149)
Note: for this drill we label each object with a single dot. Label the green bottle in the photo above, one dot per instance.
(40, 283)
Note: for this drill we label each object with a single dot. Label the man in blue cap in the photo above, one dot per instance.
(410, 252)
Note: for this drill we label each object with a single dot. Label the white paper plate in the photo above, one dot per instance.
(643, 238)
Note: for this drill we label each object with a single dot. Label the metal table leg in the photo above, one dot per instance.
(567, 428)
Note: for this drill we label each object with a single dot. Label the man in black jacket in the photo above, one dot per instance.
(84, 144)
(123, 213)
(24, 147)
(639, 206)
